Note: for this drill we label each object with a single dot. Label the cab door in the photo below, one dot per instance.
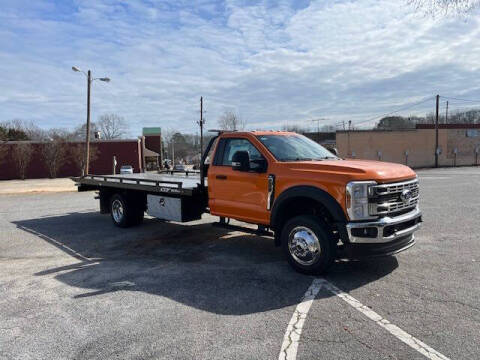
(237, 194)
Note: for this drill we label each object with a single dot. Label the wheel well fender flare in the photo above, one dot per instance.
(311, 192)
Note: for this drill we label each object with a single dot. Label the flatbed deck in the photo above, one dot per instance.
(150, 182)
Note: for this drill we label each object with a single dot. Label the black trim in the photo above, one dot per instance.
(311, 192)
(203, 167)
(365, 251)
(260, 231)
(324, 198)
(271, 191)
(217, 159)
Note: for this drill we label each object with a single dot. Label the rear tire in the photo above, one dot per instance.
(125, 212)
(308, 244)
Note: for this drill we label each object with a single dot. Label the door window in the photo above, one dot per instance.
(234, 145)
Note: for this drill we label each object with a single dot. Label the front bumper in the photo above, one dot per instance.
(365, 251)
(386, 229)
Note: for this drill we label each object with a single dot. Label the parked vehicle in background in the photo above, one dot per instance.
(126, 169)
(314, 204)
(179, 167)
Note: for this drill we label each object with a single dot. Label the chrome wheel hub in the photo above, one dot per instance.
(303, 245)
(117, 210)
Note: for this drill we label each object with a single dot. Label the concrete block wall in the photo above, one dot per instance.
(392, 146)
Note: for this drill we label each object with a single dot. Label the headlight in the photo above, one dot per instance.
(357, 199)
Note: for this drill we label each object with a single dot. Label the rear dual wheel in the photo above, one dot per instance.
(308, 244)
(125, 212)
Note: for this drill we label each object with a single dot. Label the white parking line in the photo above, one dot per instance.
(295, 326)
(67, 249)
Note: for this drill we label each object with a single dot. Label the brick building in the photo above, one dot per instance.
(127, 152)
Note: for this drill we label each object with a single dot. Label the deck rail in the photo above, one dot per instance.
(143, 184)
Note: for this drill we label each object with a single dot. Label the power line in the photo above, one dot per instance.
(452, 98)
(396, 111)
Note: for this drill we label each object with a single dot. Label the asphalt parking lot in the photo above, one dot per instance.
(73, 286)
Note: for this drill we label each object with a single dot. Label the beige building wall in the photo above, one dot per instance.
(420, 144)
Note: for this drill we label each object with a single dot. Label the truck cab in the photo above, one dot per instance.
(314, 202)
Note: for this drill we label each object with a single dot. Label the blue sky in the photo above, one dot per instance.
(273, 62)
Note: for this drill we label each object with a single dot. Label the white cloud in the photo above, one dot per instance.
(273, 63)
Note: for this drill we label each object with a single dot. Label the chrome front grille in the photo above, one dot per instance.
(387, 199)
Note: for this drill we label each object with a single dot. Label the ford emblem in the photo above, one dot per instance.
(406, 195)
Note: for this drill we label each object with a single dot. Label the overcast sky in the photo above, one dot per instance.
(273, 62)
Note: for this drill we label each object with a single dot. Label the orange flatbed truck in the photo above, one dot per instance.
(314, 204)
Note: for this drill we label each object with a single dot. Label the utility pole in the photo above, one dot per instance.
(160, 166)
(318, 127)
(348, 138)
(87, 138)
(436, 130)
(201, 122)
(446, 114)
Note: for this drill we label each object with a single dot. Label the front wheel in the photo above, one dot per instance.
(308, 244)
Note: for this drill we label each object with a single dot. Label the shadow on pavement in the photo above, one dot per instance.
(202, 266)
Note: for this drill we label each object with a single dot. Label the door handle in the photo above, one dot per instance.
(221, 177)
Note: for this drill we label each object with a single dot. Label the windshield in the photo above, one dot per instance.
(295, 148)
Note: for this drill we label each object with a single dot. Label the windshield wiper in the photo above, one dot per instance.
(303, 159)
(328, 157)
(310, 159)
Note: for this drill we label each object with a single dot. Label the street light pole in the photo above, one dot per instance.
(201, 126)
(87, 138)
(436, 129)
(201, 122)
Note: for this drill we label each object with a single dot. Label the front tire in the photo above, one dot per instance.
(308, 245)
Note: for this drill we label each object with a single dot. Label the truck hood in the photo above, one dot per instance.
(362, 169)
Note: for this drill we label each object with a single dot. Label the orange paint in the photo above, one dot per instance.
(243, 195)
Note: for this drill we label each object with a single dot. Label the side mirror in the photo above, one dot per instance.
(334, 151)
(259, 165)
(241, 161)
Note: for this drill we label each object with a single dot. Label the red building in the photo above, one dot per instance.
(126, 152)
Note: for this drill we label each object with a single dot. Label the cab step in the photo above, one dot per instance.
(260, 231)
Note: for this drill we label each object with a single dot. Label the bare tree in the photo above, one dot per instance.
(3, 133)
(112, 126)
(80, 131)
(77, 156)
(443, 7)
(167, 135)
(229, 120)
(295, 128)
(3, 153)
(23, 130)
(328, 128)
(167, 138)
(55, 156)
(22, 155)
(58, 134)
